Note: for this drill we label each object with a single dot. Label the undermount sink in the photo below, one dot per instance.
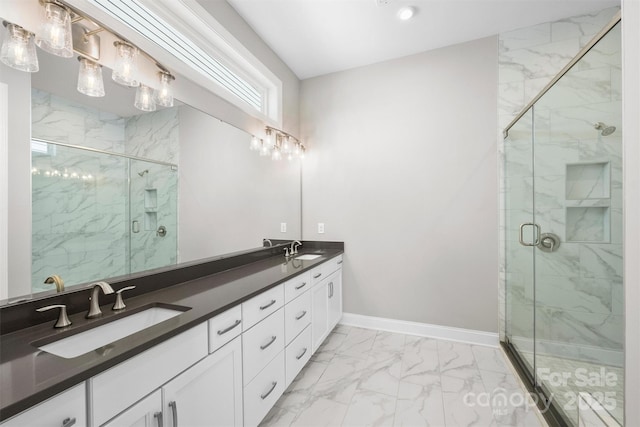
(84, 342)
(308, 257)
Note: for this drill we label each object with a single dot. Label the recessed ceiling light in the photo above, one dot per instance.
(406, 13)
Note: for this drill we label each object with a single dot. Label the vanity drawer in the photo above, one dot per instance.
(70, 404)
(317, 274)
(297, 315)
(296, 287)
(117, 388)
(332, 265)
(261, 344)
(262, 393)
(297, 354)
(260, 306)
(224, 327)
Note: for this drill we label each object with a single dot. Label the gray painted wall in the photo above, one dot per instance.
(402, 168)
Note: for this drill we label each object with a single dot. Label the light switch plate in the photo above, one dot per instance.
(321, 228)
(283, 227)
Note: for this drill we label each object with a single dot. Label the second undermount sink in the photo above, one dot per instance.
(94, 338)
(308, 257)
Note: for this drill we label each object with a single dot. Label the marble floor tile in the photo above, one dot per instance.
(419, 405)
(370, 409)
(402, 380)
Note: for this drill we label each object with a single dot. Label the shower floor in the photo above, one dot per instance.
(565, 378)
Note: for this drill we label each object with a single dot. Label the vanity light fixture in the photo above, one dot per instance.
(164, 94)
(283, 145)
(90, 78)
(55, 35)
(18, 49)
(406, 13)
(145, 99)
(125, 71)
(269, 140)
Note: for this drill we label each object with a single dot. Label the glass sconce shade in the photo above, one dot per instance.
(276, 154)
(269, 140)
(286, 145)
(145, 98)
(18, 49)
(164, 95)
(90, 78)
(125, 71)
(255, 144)
(264, 149)
(55, 32)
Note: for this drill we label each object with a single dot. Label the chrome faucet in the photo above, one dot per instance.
(94, 306)
(294, 247)
(57, 280)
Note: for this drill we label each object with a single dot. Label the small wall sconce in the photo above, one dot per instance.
(18, 48)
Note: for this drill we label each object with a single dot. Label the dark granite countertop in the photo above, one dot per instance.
(29, 375)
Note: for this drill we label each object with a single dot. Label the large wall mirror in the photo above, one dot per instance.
(116, 190)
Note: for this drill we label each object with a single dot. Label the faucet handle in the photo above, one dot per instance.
(119, 304)
(63, 320)
(286, 252)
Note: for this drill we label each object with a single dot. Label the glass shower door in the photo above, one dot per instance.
(519, 232)
(578, 264)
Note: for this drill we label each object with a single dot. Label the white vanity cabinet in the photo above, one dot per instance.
(209, 393)
(66, 409)
(326, 300)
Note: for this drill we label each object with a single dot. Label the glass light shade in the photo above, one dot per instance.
(145, 98)
(302, 150)
(255, 144)
(18, 49)
(90, 78)
(276, 154)
(270, 140)
(125, 71)
(286, 145)
(164, 95)
(264, 149)
(55, 32)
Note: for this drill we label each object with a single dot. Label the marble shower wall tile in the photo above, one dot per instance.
(154, 135)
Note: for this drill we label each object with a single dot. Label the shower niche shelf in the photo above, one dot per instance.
(151, 199)
(588, 192)
(588, 181)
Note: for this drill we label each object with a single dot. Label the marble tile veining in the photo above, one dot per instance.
(403, 380)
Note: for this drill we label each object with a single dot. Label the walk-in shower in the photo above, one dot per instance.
(563, 238)
(94, 217)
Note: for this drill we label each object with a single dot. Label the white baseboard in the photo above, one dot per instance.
(469, 336)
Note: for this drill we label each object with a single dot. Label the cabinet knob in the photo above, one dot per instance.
(68, 422)
(62, 322)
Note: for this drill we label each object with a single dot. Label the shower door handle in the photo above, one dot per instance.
(521, 237)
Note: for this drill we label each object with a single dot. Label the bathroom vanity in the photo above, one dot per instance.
(240, 337)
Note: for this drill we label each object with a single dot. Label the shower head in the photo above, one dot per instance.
(604, 129)
(147, 171)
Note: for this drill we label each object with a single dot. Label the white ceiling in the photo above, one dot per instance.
(315, 37)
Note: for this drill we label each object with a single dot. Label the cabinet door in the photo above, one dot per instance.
(335, 299)
(319, 309)
(209, 393)
(65, 409)
(146, 413)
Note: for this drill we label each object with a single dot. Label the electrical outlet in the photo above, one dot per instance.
(320, 227)
(283, 227)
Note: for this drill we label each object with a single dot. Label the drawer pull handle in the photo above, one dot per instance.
(331, 290)
(339, 262)
(174, 412)
(273, 386)
(264, 307)
(317, 275)
(301, 315)
(68, 422)
(224, 331)
(301, 286)
(304, 351)
(158, 416)
(273, 338)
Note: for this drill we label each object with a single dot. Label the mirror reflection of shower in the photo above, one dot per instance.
(604, 129)
(147, 170)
